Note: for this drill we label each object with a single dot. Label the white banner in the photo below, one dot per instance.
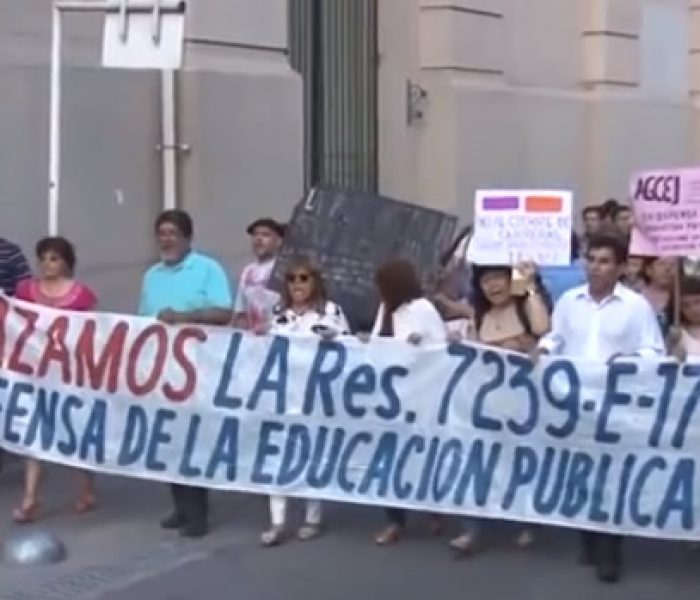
(463, 429)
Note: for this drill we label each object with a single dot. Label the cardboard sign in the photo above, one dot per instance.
(666, 209)
(524, 225)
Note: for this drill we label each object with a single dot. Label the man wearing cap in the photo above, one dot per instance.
(255, 302)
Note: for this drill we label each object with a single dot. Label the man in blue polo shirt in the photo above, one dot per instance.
(185, 287)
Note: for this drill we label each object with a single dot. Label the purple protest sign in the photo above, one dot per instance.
(666, 207)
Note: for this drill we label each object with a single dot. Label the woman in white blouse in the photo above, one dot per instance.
(305, 309)
(404, 314)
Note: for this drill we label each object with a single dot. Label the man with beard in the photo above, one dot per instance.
(185, 287)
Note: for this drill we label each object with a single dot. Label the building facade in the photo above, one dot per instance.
(423, 100)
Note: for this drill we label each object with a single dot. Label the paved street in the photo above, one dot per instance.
(118, 553)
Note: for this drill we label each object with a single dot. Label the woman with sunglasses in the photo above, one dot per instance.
(55, 287)
(305, 310)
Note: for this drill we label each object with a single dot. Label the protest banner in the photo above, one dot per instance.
(511, 226)
(666, 209)
(459, 429)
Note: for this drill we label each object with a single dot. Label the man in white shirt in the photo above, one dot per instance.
(603, 320)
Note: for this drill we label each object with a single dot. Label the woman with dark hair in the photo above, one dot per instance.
(406, 315)
(659, 275)
(305, 310)
(506, 319)
(55, 287)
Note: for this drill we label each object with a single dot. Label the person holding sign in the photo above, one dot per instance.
(305, 310)
(511, 321)
(601, 321)
(407, 315)
(55, 287)
(185, 287)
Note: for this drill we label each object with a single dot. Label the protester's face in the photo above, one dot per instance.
(300, 284)
(52, 265)
(172, 243)
(591, 222)
(623, 222)
(265, 242)
(635, 265)
(496, 286)
(661, 272)
(690, 307)
(602, 269)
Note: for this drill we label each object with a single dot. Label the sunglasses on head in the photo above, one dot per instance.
(298, 277)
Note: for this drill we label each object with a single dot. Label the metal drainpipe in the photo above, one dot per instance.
(168, 146)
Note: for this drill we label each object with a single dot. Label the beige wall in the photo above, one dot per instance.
(543, 93)
(240, 112)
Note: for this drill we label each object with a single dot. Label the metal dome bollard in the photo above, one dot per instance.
(33, 548)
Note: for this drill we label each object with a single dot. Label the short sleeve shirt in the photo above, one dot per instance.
(254, 299)
(198, 282)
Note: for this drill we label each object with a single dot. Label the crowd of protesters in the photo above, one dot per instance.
(567, 310)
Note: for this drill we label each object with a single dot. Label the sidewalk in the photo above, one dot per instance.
(120, 553)
(117, 545)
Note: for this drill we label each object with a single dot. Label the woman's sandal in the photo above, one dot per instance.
(308, 532)
(525, 539)
(463, 546)
(272, 537)
(435, 526)
(85, 505)
(26, 513)
(389, 536)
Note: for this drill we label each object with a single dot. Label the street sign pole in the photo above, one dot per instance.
(124, 9)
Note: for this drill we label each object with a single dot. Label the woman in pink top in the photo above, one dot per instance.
(55, 287)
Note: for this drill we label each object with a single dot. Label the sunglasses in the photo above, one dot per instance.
(298, 278)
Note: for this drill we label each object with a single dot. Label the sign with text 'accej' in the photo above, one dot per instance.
(524, 225)
(666, 208)
(144, 34)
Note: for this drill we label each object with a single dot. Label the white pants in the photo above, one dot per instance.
(278, 511)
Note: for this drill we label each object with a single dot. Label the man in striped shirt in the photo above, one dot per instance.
(13, 267)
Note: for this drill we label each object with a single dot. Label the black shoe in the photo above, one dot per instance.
(194, 530)
(586, 556)
(608, 572)
(174, 521)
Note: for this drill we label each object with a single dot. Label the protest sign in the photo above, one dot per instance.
(523, 225)
(459, 429)
(666, 209)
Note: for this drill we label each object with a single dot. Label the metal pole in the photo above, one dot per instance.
(169, 139)
(55, 121)
(155, 22)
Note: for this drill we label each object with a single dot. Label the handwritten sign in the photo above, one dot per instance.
(666, 209)
(459, 429)
(514, 226)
